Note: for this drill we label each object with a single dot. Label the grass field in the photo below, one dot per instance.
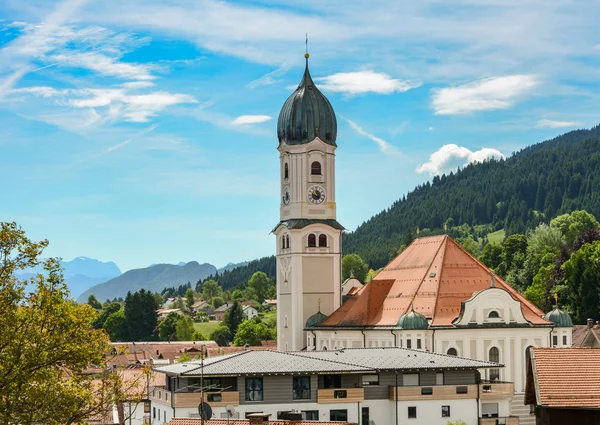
(206, 327)
(496, 237)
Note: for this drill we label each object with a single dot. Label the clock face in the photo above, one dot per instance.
(316, 194)
(286, 196)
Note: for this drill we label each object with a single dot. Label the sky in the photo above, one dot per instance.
(144, 131)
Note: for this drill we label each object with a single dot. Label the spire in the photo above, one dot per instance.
(319, 304)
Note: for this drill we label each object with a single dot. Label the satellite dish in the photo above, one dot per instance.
(230, 411)
(205, 411)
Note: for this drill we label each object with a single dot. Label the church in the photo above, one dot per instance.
(434, 296)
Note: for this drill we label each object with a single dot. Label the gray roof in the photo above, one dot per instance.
(224, 307)
(307, 114)
(301, 223)
(350, 360)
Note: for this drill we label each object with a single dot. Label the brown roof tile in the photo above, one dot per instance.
(567, 376)
(433, 274)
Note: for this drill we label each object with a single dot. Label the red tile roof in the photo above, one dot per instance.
(433, 275)
(566, 377)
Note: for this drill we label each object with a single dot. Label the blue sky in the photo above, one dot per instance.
(144, 131)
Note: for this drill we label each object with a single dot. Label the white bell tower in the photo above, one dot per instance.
(308, 235)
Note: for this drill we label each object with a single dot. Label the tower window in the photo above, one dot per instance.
(323, 240)
(282, 242)
(494, 356)
(315, 168)
(312, 240)
(452, 352)
(493, 315)
(286, 171)
(287, 241)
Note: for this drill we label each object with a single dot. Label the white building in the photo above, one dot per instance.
(249, 312)
(375, 386)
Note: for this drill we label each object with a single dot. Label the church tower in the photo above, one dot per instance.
(308, 235)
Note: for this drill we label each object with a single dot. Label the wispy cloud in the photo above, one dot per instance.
(556, 124)
(384, 146)
(451, 156)
(104, 65)
(251, 119)
(362, 82)
(124, 143)
(270, 78)
(483, 95)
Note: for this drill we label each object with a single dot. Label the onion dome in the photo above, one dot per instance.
(412, 321)
(306, 115)
(559, 317)
(315, 319)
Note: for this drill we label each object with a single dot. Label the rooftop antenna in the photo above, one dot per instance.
(306, 55)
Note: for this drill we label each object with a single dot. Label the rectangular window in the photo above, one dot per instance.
(462, 389)
(370, 380)
(338, 415)
(332, 381)
(445, 411)
(426, 390)
(409, 343)
(489, 410)
(154, 412)
(365, 416)
(554, 340)
(410, 379)
(564, 340)
(439, 378)
(301, 386)
(419, 344)
(310, 415)
(254, 389)
(412, 412)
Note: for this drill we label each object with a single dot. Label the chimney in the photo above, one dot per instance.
(590, 323)
(258, 418)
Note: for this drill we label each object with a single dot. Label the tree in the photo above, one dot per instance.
(94, 302)
(108, 309)
(221, 336)
(158, 299)
(116, 326)
(217, 302)
(234, 317)
(252, 333)
(46, 342)
(190, 297)
(167, 329)
(185, 329)
(352, 263)
(199, 336)
(491, 255)
(261, 284)
(140, 312)
(210, 289)
(571, 225)
(582, 276)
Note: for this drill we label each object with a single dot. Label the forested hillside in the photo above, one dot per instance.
(532, 186)
(229, 279)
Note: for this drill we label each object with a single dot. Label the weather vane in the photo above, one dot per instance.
(306, 43)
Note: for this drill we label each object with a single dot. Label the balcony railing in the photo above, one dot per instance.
(490, 390)
(438, 392)
(215, 399)
(509, 420)
(340, 395)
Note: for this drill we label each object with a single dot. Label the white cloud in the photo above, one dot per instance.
(482, 95)
(449, 157)
(250, 119)
(361, 82)
(270, 78)
(104, 65)
(137, 84)
(384, 146)
(556, 124)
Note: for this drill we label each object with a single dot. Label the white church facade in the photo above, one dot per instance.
(434, 296)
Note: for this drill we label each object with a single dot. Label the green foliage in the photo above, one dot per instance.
(456, 422)
(217, 302)
(184, 358)
(190, 296)
(185, 329)
(199, 336)
(222, 336)
(515, 194)
(582, 275)
(167, 329)
(572, 225)
(211, 289)
(261, 285)
(94, 302)
(234, 317)
(239, 276)
(491, 255)
(116, 326)
(353, 263)
(108, 309)
(140, 312)
(252, 333)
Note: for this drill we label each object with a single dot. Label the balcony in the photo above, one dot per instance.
(188, 399)
(340, 395)
(488, 390)
(437, 392)
(511, 420)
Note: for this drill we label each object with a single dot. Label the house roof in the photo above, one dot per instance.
(566, 377)
(197, 421)
(584, 336)
(433, 276)
(225, 307)
(350, 360)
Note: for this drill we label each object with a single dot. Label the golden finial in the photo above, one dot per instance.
(556, 299)
(319, 303)
(306, 55)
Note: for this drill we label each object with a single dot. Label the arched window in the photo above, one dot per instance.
(286, 171)
(452, 352)
(494, 356)
(285, 322)
(287, 241)
(493, 315)
(315, 168)
(312, 240)
(283, 242)
(323, 240)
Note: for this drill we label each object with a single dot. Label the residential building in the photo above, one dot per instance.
(220, 311)
(387, 386)
(587, 335)
(250, 311)
(270, 304)
(255, 419)
(563, 385)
